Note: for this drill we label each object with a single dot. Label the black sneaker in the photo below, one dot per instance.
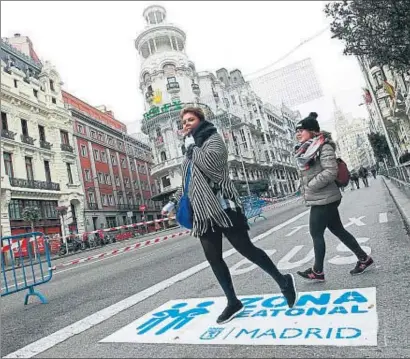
(361, 266)
(312, 276)
(229, 312)
(289, 291)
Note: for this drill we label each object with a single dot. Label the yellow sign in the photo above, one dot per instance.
(157, 97)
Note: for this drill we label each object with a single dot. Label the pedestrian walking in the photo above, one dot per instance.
(315, 157)
(217, 209)
(363, 173)
(354, 178)
(374, 172)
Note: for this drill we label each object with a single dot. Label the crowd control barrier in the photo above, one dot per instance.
(25, 264)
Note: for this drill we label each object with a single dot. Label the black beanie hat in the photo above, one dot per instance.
(309, 123)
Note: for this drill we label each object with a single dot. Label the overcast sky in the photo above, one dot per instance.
(92, 46)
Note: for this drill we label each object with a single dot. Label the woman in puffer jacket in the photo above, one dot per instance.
(316, 160)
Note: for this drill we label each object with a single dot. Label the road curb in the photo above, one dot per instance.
(402, 203)
(135, 246)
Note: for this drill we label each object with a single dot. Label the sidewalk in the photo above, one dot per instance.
(401, 199)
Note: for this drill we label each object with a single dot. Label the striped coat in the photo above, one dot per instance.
(209, 165)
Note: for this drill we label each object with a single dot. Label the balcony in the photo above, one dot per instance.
(8, 134)
(25, 183)
(125, 207)
(166, 165)
(92, 205)
(67, 148)
(27, 139)
(173, 87)
(46, 145)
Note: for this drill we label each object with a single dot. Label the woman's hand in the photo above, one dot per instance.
(168, 208)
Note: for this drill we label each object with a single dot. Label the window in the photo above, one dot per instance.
(53, 100)
(93, 134)
(233, 99)
(35, 93)
(70, 175)
(100, 177)
(64, 137)
(91, 197)
(104, 200)
(87, 175)
(52, 85)
(110, 140)
(24, 128)
(113, 160)
(100, 137)
(47, 171)
(171, 80)
(136, 184)
(130, 200)
(4, 123)
(41, 133)
(127, 182)
(120, 145)
(96, 155)
(103, 157)
(8, 164)
(163, 156)
(29, 168)
(107, 179)
(258, 123)
(83, 150)
(111, 222)
(226, 101)
(117, 181)
(123, 163)
(80, 128)
(132, 166)
(111, 199)
(15, 83)
(165, 181)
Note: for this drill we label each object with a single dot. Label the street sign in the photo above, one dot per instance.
(143, 207)
(129, 214)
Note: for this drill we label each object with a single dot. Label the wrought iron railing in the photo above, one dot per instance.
(26, 183)
(8, 134)
(27, 139)
(66, 147)
(46, 145)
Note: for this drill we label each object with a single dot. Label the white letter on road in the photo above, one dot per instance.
(285, 263)
(339, 260)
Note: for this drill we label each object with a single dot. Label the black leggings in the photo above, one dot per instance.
(327, 216)
(239, 238)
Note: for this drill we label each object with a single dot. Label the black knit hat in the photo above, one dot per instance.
(309, 123)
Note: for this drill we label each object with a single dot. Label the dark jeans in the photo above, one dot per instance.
(239, 238)
(365, 181)
(327, 216)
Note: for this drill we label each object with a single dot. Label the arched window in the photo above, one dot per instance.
(163, 156)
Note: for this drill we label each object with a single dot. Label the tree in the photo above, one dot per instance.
(379, 145)
(377, 29)
(31, 214)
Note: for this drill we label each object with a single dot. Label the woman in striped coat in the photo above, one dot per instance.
(217, 209)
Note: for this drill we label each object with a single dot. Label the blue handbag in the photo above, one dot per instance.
(184, 213)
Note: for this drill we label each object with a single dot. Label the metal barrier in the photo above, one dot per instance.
(400, 175)
(253, 207)
(25, 269)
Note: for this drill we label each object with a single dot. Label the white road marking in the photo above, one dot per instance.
(86, 323)
(383, 217)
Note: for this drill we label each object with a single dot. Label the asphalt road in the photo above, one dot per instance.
(89, 302)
